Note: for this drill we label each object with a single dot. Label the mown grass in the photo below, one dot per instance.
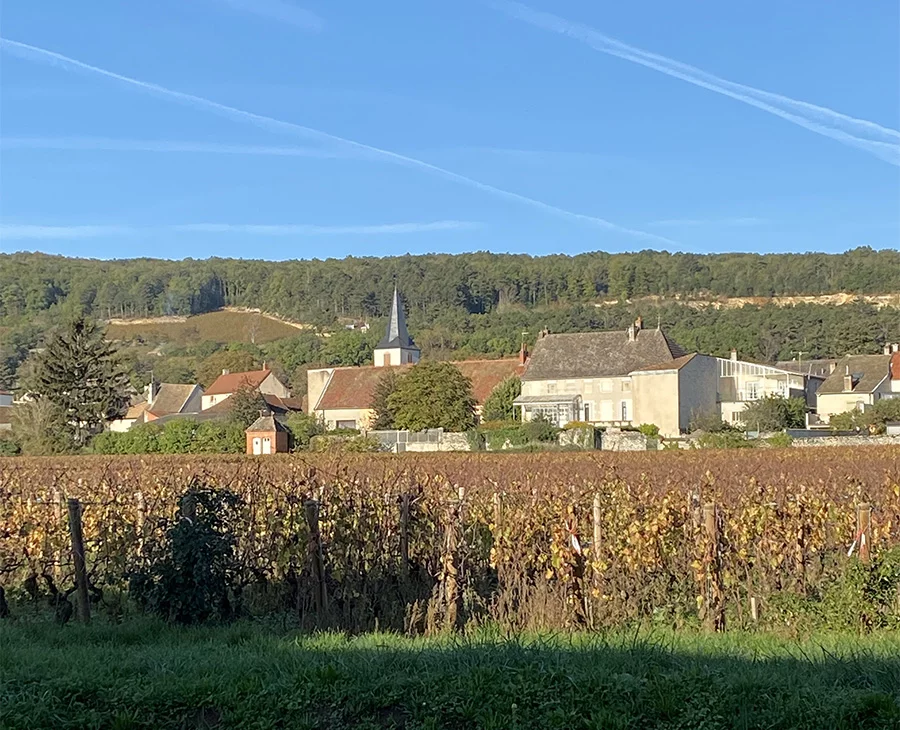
(145, 675)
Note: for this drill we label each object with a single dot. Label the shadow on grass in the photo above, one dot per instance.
(146, 675)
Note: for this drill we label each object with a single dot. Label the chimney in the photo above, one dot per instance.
(632, 333)
(225, 372)
(831, 367)
(151, 391)
(523, 354)
(733, 355)
(638, 324)
(887, 350)
(895, 347)
(894, 367)
(264, 365)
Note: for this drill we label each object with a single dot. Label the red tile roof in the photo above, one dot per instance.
(233, 382)
(353, 388)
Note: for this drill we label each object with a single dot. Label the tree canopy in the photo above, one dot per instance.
(499, 404)
(433, 395)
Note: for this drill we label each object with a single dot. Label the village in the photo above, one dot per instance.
(616, 390)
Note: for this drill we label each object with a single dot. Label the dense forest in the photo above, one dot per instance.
(459, 306)
(318, 291)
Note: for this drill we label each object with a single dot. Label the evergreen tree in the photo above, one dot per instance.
(433, 395)
(384, 414)
(499, 404)
(79, 371)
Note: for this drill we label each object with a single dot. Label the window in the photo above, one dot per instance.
(626, 386)
(346, 424)
(625, 410)
(753, 391)
(606, 386)
(551, 387)
(587, 411)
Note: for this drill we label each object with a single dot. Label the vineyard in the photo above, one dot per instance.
(448, 541)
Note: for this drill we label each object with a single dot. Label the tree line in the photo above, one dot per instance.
(318, 291)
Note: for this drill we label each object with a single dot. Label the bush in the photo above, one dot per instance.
(337, 444)
(780, 440)
(872, 420)
(8, 447)
(724, 440)
(193, 572)
(650, 430)
(708, 422)
(774, 413)
(303, 428)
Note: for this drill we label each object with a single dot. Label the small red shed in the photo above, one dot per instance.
(267, 435)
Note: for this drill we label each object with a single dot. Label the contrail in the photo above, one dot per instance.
(859, 133)
(30, 52)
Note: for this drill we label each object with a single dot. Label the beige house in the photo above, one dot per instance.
(858, 382)
(740, 383)
(671, 394)
(227, 384)
(586, 376)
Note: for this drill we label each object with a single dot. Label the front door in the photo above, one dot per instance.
(267, 445)
(257, 445)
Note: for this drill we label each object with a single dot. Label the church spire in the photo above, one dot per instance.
(396, 347)
(396, 335)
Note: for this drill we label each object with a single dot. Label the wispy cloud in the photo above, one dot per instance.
(42, 232)
(311, 230)
(149, 145)
(281, 11)
(711, 222)
(25, 231)
(34, 53)
(882, 142)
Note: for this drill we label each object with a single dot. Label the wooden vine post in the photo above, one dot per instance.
(76, 532)
(713, 605)
(404, 534)
(317, 559)
(863, 528)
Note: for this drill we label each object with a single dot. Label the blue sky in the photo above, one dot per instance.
(302, 128)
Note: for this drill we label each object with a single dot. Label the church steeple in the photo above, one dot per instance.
(396, 347)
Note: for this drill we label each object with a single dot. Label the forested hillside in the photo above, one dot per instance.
(459, 306)
(317, 291)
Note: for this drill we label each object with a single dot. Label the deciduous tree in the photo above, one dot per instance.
(433, 395)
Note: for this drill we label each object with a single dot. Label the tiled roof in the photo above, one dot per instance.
(676, 364)
(233, 382)
(354, 388)
(266, 424)
(598, 354)
(279, 406)
(170, 398)
(135, 411)
(867, 371)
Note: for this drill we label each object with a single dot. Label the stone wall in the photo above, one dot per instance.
(847, 441)
(582, 438)
(613, 440)
(447, 442)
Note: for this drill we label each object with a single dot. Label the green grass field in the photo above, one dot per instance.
(145, 675)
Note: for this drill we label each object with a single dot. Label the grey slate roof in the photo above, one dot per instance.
(266, 424)
(396, 335)
(170, 398)
(821, 368)
(598, 354)
(867, 371)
